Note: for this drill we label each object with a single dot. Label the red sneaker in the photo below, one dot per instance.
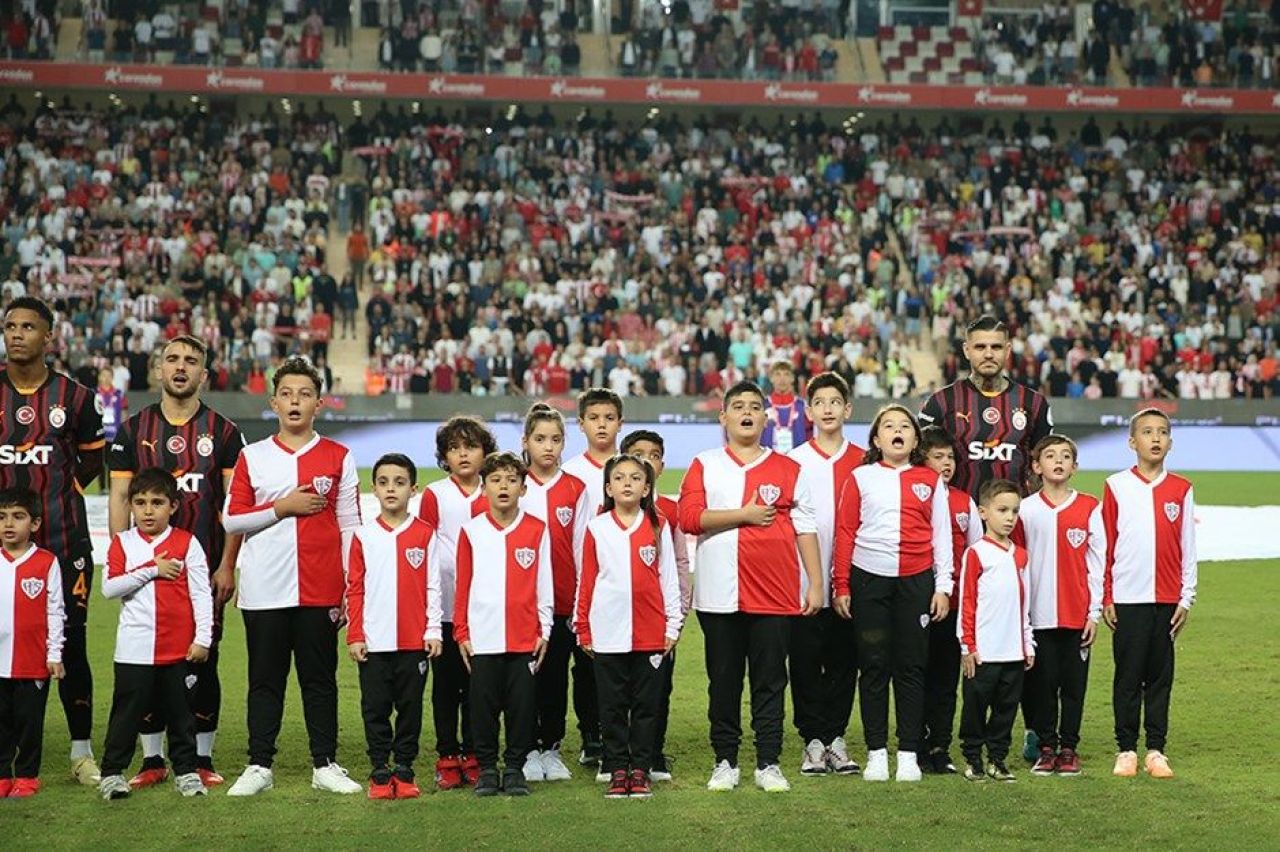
(6, 786)
(1045, 763)
(1068, 763)
(448, 773)
(619, 787)
(209, 777)
(149, 778)
(24, 788)
(470, 769)
(638, 784)
(386, 790)
(407, 789)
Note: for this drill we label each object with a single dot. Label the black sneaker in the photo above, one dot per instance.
(942, 764)
(974, 771)
(514, 784)
(997, 771)
(381, 775)
(487, 784)
(404, 773)
(592, 752)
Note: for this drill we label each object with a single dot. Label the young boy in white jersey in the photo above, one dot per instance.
(166, 621)
(994, 629)
(1148, 587)
(823, 663)
(393, 627)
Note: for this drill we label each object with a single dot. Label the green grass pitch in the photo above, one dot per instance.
(1227, 793)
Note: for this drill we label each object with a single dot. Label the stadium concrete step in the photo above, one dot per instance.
(1117, 75)
(868, 68)
(924, 366)
(67, 48)
(347, 358)
(364, 48)
(597, 54)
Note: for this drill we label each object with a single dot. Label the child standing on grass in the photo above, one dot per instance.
(393, 607)
(1062, 532)
(560, 501)
(942, 674)
(649, 446)
(996, 644)
(462, 444)
(1148, 587)
(628, 619)
(166, 621)
(31, 636)
(502, 620)
(891, 573)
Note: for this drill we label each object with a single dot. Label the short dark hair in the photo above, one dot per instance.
(20, 497)
(742, 388)
(297, 365)
(396, 460)
(1052, 441)
(639, 435)
(32, 303)
(1150, 411)
(191, 342)
(154, 480)
(598, 396)
(827, 380)
(505, 460)
(463, 430)
(987, 322)
(935, 438)
(993, 488)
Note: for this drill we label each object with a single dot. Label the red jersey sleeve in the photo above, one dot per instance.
(244, 514)
(848, 517)
(693, 499)
(429, 509)
(1110, 516)
(462, 599)
(586, 590)
(966, 627)
(355, 592)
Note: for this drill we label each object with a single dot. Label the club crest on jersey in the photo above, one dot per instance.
(648, 553)
(26, 415)
(204, 445)
(1172, 510)
(32, 587)
(1019, 419)
(564, 514)
(991, 416)
(190, 681)
(176, 444)
(525, 556)
(922, 491)
(962, 521)
(414, 556)
(57, 416)
(79, 563)
(924, 621)
(769, 493)
(655, 660)
(322, 484)
(422, 667)
(1076, 536)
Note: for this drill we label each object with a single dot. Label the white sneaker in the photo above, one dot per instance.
(815, 759)
(724, 777)
(877, 765)
(771, 780)
(603, 777)
(908, 767)
(190, 785)
(333, 779)
(553, 765)
(256, 779)
(533, 770)
(838, 760)
(114, 787)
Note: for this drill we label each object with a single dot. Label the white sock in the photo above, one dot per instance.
(81, 748)
(152, 745)
(204, 743)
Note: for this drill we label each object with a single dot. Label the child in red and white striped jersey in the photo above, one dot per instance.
(628, 617)
(502, 621)
(891, 572)
(393, 607)
(994, 628)
(943, 672)
(1062, 532)
(648, 445)
(31, 636)
(166, 621)
(561, 501)
(1148, 587)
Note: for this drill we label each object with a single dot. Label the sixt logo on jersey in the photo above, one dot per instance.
(37, 454)
(984, 451)
(189, 483)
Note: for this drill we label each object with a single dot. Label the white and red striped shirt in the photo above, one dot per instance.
(504, 604)
(562, 504)
(629, 597)
(393, 586)
(31, 614)
(893, 522)
(748, 569)
(591, 472)
(159, 619)
(1066, 547)
(827, 476)
(289, 562)
(1150, 529)
(966, 529)
(995, 619)
(670, 511)
(447, 508)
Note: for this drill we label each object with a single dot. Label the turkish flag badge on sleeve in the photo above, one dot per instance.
(1204, 10)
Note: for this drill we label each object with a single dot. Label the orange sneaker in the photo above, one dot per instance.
(470, 769)
(1156, 764)
(1126, 764)
(6, 786)
(209, 777)
(407, 789)
(24, 788)
(149, 778)
(386, 790)
(448, 773)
